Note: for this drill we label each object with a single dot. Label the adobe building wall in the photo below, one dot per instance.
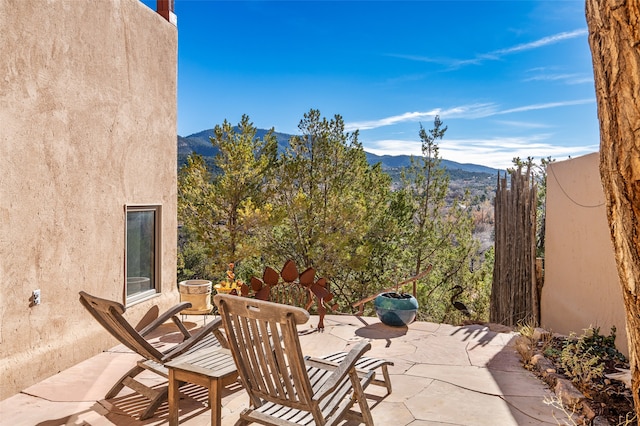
(88, 113)
(581, 287)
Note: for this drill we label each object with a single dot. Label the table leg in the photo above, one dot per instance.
(174, 398)
(215, 392)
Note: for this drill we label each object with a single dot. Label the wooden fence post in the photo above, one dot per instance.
(514, 292)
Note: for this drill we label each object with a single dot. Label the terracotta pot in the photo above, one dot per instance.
(396, 309)
(198, 292)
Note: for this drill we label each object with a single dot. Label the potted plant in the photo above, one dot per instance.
(230, 285)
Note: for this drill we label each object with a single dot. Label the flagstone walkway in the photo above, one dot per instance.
(443, 375)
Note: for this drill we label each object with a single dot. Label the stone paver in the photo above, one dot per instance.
(444, 402)
(443, 375)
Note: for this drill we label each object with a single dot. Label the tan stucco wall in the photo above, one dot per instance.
(88, 125)
(581, 287)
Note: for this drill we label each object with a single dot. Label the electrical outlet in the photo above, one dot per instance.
(36, 297)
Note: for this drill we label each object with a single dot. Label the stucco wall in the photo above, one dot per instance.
(581, 286)
(88, 125)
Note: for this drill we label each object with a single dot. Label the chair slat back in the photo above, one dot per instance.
(263, 338)
(109, 314)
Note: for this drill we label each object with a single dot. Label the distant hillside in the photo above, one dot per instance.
(200, 144)
(397, 161)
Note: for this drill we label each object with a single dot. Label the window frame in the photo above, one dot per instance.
(157, 253)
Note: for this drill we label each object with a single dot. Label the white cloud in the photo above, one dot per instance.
(564, 78)
(580, 80)
(472, 111)
(394, 147)
(492, 152)
(547, 106)
(523, 124)
(545, 41)
(499, 53)
(551, 77)
(395, 119)
(463, 111)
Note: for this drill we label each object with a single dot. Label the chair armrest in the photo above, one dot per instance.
(212, 327)
(323, 364)
(164, 318)
(343, 369)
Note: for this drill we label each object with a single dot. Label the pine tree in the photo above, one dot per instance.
(438, 232)
(226, 210)
(328, 199)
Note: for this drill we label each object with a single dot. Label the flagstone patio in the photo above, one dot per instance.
(443, 375)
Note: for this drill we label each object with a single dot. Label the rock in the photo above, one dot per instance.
(539, 333)
(568, 393)
(536, 358)
(543, 365)
(498, 328)
(588, 412)
(623, 375)
(600, 421)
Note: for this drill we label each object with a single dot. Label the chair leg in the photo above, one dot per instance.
(115, 390)
(156, 402)
(156, 397)
(358, 393)
(181, 326)
(387, 379)
(241, 422)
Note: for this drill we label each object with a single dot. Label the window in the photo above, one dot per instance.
(142, 253)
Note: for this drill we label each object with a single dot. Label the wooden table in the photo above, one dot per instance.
(212, 368)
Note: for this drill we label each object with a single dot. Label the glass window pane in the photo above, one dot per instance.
(141, 231)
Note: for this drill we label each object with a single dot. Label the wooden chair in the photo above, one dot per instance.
(366, 364)
(110, 315)
(286, 389)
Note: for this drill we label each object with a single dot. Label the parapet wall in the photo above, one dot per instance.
(581, 288)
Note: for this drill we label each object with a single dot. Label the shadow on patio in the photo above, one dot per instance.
(443, 375)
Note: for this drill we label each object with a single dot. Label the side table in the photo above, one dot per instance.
(212, 368)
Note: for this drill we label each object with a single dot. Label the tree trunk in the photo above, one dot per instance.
(614, 37)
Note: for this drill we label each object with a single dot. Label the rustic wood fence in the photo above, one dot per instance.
(514, 294)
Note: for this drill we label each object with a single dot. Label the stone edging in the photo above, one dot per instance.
(565, 390)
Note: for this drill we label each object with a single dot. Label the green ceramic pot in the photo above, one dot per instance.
(396, 309)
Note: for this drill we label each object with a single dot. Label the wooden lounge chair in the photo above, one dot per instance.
(110, 315)
(286, 389)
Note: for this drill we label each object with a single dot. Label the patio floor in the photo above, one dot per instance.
(443, 375)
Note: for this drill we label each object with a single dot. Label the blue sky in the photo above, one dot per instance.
(508, 78)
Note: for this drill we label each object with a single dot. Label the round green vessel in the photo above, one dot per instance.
(396, 309)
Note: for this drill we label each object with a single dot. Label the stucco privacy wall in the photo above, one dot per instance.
(581, 287)
(88, 125)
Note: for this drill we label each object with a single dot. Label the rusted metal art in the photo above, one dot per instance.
(289, 287)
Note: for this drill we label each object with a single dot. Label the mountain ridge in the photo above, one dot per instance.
(200, 144)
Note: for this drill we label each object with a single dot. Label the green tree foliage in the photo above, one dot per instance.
(193, 257)
(440, 234)
(226, 211)
(199, 219)
(321, 204)
(328, 199)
